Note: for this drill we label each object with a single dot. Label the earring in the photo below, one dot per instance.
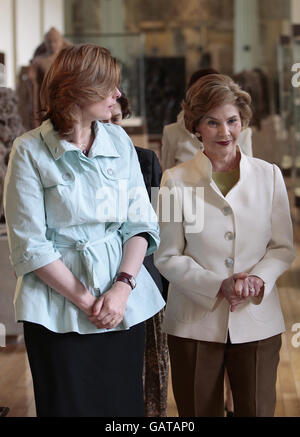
(199, 136)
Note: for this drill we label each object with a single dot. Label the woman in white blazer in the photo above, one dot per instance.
(180, 145)
(228, 240)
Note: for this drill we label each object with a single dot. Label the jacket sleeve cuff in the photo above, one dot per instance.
(153, 240)
(35, 262)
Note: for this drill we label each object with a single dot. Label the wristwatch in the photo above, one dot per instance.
(125, 277)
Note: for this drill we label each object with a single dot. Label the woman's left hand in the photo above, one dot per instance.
(250, 286)
(108, 310)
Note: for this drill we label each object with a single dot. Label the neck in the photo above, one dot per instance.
(224, 163)
(83, 136)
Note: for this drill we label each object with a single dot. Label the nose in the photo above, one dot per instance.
(224, 129)
(117, 94)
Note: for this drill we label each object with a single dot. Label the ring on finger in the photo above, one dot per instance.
(251, 289)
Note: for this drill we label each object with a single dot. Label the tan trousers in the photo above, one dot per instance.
(197, 369)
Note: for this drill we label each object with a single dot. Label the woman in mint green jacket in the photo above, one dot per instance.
(79, 225)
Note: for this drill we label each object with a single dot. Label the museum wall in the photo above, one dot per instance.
(178, 38)
(159, 44)
(23, 24)
(201, 31)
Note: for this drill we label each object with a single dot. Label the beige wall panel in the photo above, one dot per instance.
(6, 39)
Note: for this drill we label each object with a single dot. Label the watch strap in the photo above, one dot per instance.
(125, 277)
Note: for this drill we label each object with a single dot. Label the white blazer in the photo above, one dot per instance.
(180, 145)
(248, 230)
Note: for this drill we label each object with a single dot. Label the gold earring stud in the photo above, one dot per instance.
(199, 136)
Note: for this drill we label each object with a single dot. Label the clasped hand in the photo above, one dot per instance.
(238, 287)
(108, 310)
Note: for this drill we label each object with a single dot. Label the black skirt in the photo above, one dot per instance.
(91, 375)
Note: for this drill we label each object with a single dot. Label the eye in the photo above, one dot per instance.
(232, 120)
(212, 123)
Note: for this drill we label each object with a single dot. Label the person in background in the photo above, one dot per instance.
(179, 145)
(79, 224)
(156, 348)
(223, 309)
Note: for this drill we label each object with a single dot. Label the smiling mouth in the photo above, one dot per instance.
(224, 143)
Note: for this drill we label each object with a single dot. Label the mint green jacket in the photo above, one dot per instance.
(61, 204)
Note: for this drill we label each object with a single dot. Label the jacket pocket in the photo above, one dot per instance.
(59, 199)
(186, 310)
(266, 311)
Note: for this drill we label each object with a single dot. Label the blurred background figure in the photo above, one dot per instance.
(156, 349)
(31, 77)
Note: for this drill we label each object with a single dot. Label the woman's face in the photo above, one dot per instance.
(220, 129)
(101, 110)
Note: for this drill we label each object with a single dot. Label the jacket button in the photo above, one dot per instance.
(226, 210)
(66, 176)
(229, 236)
(229, 262)
(110, 171)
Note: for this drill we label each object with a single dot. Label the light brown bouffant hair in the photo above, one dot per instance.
(211, 91)
(80, 75)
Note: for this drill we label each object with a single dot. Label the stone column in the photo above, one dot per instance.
(2, 70)
(295, 12)
(112, 16)
(247, 54)
(112, 27)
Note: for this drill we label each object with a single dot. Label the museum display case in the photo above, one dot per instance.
(285, 107)
(128, 48)
(295, 129)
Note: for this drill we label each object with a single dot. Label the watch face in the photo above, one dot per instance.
(132, 282)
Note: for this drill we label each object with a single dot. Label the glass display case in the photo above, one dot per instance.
(128, 48)
(295, 87)
(2, 70)
(285, 100)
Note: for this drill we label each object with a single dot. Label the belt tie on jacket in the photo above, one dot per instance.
(89, 256)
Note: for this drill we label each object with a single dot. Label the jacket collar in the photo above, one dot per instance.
(203, 166)
(102, 145)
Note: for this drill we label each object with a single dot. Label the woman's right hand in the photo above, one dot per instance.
(86, 302)
(230, 289)
(109, 308)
